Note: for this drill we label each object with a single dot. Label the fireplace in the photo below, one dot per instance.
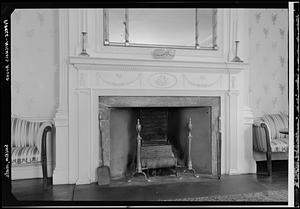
(114, 90)
(119, 116)
(117, 72)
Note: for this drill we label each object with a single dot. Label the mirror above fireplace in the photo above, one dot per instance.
(169, 28)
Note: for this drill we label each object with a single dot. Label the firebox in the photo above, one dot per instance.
(164, 133)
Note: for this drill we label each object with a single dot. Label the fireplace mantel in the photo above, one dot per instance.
(84, 79)
(174, 65)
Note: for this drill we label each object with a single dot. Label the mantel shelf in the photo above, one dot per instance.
(152, 64)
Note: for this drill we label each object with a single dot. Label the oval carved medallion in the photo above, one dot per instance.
(162, 80)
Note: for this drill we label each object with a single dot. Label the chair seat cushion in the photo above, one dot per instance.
(279, 145)
(27, 154)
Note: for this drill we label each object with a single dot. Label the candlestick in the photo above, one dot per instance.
(196, 31)
(126, 28)
(83, 52)
(236, 58)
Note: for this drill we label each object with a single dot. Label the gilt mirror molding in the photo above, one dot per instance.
(161, 28)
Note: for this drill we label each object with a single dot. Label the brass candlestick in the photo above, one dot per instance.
(83, 52)
(190, 165)
(236, 58)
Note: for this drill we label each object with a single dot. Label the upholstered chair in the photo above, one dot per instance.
(28, 144)
(267, 138)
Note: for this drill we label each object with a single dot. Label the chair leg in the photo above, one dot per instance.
(269, 163)
(44, 161)
(45, 176)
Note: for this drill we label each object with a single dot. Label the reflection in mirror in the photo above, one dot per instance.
(170, 28)
(162, 26)
(205, 27)
(116, 30)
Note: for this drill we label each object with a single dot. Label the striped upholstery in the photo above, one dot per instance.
(278, 141)
(26, 139)
(25, 155)
(280, 145)
(259, 139)
(275, 123)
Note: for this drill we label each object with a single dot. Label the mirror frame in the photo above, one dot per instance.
(126, 43)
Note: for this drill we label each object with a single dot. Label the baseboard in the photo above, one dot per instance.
(60, 176)
(29, 171)
(233, 172)
(83, 181)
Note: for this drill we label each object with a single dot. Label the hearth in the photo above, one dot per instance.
(164, 132)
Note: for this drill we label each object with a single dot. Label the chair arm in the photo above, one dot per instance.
(42, 133)
(261, 137)
(268, 139)
(46, 129)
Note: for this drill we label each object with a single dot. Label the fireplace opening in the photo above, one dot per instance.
(164, 128)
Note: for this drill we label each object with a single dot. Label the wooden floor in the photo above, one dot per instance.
(32, 190)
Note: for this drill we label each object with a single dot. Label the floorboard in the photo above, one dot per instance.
(32, 189)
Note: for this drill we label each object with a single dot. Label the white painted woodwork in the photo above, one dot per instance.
(132, 71)
(60, 174)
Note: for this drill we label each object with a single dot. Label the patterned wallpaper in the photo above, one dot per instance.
(268, 58)
(34, 52)
(35, 61)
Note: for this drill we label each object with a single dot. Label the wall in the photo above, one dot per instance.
(34, 61)
(268, 59)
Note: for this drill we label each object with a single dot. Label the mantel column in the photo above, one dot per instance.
(233, 119)
(232, 129)
(84, 137)
(61, 174)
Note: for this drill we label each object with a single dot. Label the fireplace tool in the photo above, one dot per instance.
(190, 165)
(102, 171)
(138, 158)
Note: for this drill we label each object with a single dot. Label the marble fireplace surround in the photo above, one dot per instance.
(77, 132)
(106, 103)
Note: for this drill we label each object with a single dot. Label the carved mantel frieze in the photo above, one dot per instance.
(94, 74)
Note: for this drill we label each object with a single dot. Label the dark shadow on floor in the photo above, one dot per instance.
(32, 189)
